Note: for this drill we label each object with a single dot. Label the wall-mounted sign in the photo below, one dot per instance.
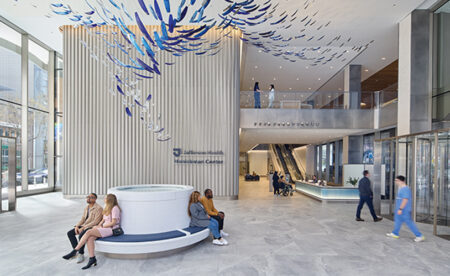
(198, 157)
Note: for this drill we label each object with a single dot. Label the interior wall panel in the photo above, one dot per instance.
(198, 99)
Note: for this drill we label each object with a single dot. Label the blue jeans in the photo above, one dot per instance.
(257, 99)
(405, 218)
(214, 227)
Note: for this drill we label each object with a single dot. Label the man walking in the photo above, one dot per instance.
(366, 196)
(91, 217)
(403, 211)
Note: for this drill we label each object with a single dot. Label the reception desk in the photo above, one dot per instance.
(327, 193)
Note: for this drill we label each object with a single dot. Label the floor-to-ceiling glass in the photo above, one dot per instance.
(10, 91)
(441, 70)
(38, 116)
(59, 165)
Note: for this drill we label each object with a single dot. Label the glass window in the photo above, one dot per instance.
(441, 79)
(37, 149)
(10, 65)
(38, 77)
(368, 149)
(324, 162)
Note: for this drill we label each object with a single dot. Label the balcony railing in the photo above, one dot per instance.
(318, 100)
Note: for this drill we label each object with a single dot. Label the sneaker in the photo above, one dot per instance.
(419, 239)
(378, 219)
(218, 242)
(80, 258)
(224, 234)
(392, 235)
(359, 219)
(224, 241)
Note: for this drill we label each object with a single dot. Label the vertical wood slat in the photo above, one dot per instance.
(198, 99)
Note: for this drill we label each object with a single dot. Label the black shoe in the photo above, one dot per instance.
(378, 219)
(92, 262)
(70, 255)
(359, 219)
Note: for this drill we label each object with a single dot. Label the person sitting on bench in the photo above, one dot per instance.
(91, 217)
(199, 218)
(207, 202)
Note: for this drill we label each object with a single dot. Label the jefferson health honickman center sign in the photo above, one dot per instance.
(209, 157)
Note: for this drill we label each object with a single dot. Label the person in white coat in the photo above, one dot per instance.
(271, 95)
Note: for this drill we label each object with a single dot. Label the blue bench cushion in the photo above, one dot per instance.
(194, 229)
(144, 237)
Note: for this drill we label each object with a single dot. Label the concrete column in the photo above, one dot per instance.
(352, 85)
(414, 79)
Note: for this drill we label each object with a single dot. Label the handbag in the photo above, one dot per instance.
(117, 231)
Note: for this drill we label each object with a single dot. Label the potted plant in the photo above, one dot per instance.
(353, 180)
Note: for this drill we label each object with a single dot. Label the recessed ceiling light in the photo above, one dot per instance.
(340, 89)
(329, 96)
(260, 51)
(383, 58)
(290, 88)
(306, 67)
(309, 88)
(256, 67)
(331, 67)
(253, 78)
(318, 79)
(367, 70)
(274, 78)
(281, 67)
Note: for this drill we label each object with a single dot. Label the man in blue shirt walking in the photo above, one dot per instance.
(365, 196)
(403, 211)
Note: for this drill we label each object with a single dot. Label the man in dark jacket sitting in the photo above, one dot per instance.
(365, 196)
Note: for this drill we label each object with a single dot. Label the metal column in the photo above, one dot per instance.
(435, 182)
(24, 129)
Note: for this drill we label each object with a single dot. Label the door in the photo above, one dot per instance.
(8, 174)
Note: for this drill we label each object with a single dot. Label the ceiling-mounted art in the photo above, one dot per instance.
(183, 25)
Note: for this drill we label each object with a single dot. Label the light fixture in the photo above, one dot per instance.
(298, 78)
(306, 67)
(274, 78)
(309, 88)
(318, 79)
(331, 67)
(281, 67)
(367, 70)
(256, 67)
(290, 88)
(383, 58)
(253, 78)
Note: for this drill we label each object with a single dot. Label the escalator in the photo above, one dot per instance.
(287, 161)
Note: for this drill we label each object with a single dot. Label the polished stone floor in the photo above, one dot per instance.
(268, 236)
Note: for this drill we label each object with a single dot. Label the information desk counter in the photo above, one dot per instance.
(327, 193)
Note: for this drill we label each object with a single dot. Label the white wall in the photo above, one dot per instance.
(300, 158)
(258, 160)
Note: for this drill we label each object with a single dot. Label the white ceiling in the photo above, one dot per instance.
(362, 21)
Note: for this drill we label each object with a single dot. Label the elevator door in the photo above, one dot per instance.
(8, 174)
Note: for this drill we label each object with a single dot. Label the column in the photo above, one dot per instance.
(24, 137)
(352, 86)
(51, 120)
(414, 73)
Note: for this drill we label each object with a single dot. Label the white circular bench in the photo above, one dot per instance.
(151, 243)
